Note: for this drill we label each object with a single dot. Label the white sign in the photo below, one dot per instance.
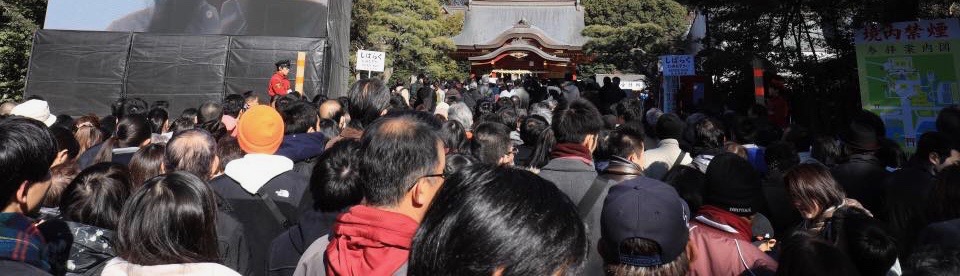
(632, 85)
(677, 65)
(371, 61)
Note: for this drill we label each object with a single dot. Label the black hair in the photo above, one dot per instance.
(781, 156)
(424, 99)
(800, 137)
(299, 117)
(210, 119)
(457, 162)
(865, 239)
(368, 99)
(944, 201)
(329, 128)
(190, 113)
(132, 131)
(932, 142)
(170, 220)
(395, 152)
(891, 154)
(182, 124)
(319, 99)
(26, 155)
(335, 179)
(537, 134)
(146, 163)
(646, 247)
(487, 218)
(689, 183)
(745, 130)
(124, 107)
(108, 125)
(454, 136)
(804, 254)
(709, 136)
(192, 151)
(669, 126)
(66, 122)
(629, 110)
(228, 149)
(827, 150)
(282, 64)
(509, 118)
(573, 121)
(96, 196)
(491, 141)
(626, 140)
(158, 118)
(397, 102)
(249, 95)
(66, 141)
(233, 104)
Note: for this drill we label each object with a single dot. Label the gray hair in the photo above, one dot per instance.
(543, 110)
(461, 113)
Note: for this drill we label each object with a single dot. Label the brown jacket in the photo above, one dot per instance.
(346, 133)
(718, 252)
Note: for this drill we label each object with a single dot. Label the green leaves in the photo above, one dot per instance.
(629, 35)
(18, 20)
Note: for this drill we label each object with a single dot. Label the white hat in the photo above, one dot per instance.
(37, 110)
(442, 109)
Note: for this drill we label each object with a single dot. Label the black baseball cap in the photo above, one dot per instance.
(649, 209)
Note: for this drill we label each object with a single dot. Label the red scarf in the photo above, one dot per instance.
(721, 216)
(572, 150)
(369, 241)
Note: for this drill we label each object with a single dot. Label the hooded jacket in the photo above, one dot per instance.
(717, 250)
(369, 241)
(302, 146)
(76, 248)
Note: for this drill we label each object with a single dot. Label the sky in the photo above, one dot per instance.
(89, 15)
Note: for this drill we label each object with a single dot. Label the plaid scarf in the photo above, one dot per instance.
(20, 241)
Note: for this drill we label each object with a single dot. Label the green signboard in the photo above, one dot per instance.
(908, 72)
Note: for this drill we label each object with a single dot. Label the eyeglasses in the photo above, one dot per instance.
(440, 175)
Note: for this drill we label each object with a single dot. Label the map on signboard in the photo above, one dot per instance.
(908, 72)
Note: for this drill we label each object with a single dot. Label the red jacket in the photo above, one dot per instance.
(719, 252)
(279, 85)
(369, 241)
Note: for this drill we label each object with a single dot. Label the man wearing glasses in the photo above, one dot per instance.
(401, 169)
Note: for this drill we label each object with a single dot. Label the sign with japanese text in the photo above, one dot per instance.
(908, 72)
(371, 61)
(677, 65)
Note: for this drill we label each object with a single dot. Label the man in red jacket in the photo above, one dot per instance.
(279, 84)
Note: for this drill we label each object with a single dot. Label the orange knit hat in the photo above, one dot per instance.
(260, 130)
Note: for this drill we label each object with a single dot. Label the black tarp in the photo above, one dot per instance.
(83, 72)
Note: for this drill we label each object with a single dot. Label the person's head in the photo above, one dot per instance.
(491, 144)
(232, 105)
(26, 155)
(457, 162)
(689, 182)
(461, 113)
(190, 113)
(745, 130)
(627, 142)
(944, 202)
(146, 163)
(577, 122)
(35, 109)
(60, 176)
(170, 220)
(193, 151)
(935, 150)
(182, 124)
(865, 239)
(401, 161)
(299, 117)
(812, 190)
(643, 230)
(210, 119)
(509, 118)
(860, 136)
(67, 146)
(800, 137)
(948, 120)
(283, 67)
(490, 220)
(88, 136)
(96, 196)
(159, 121)
(369, 99)
(330, 109)
(260, 130)
(669, 126)
(805, 254)
(629, 110)
(781, 156)
(335, 180)
(228, 149)
(132, 131)
(709, 135)
(250, 99)
(454, 137)
(733, 185)
(826, 150)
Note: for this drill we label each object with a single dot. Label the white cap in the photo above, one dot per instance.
(37, 110)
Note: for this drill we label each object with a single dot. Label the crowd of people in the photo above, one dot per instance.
(470, 178)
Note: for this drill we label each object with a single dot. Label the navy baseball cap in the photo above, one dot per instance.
(649, 209)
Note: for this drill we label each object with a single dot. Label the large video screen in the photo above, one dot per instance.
(292, 18)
